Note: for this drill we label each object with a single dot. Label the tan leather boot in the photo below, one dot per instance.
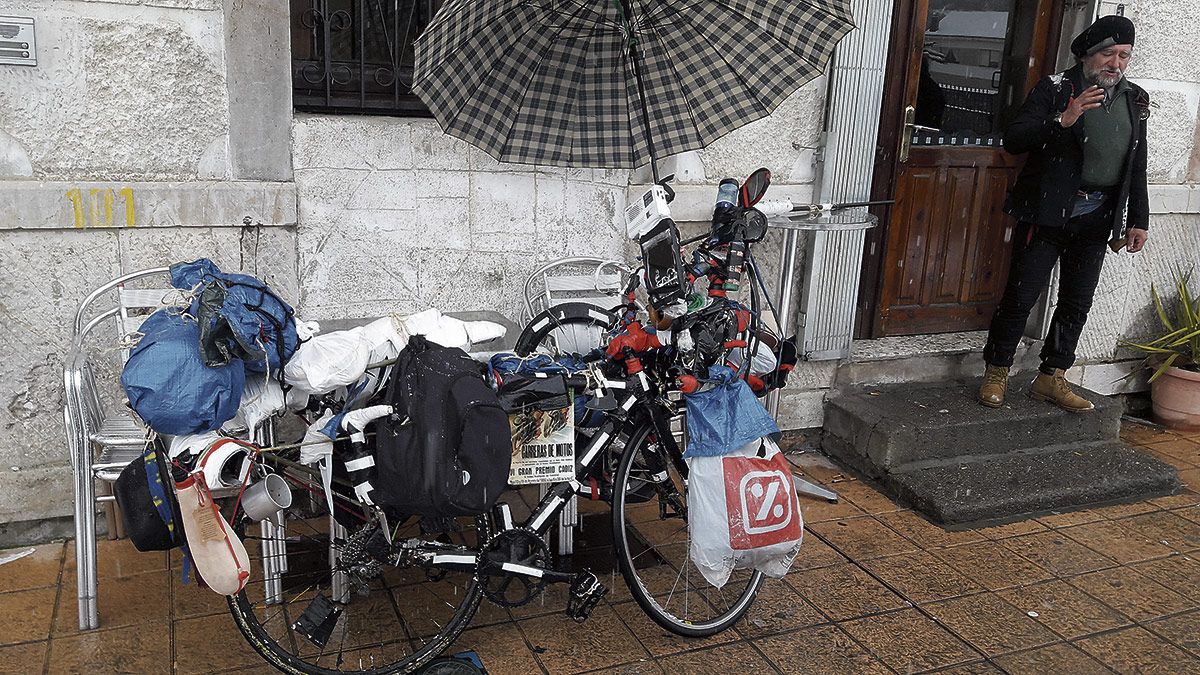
(1054, 388)
(995, 384)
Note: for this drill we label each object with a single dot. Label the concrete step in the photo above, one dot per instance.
(936, 449)
(1030, 482)
(896, 427)
(925, 358)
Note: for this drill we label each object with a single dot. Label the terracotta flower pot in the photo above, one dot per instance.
(1175, 396)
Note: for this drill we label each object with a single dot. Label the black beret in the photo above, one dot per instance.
(1108, 30)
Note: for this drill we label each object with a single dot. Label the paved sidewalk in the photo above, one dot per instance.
(876, 589)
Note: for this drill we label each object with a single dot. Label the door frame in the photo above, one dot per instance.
(901, 75)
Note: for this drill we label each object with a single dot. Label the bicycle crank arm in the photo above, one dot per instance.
(518, 570)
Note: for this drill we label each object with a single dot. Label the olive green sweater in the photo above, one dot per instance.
(1106, 133)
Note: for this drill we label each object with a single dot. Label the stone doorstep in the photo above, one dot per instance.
(1026, 483)
(934, 448)
(892, 426)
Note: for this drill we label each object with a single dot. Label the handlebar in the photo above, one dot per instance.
(784, 206)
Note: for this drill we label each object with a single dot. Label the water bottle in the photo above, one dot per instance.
(727, 193)
(724, 212)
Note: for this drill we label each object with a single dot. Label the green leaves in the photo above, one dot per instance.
(1179, 345)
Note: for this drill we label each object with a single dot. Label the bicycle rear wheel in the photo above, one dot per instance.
(653, 550)
(391, 618)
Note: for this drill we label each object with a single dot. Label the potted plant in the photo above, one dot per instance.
(1174, 357)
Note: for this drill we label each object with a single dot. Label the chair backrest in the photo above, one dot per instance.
(126, 305)
(596, 281)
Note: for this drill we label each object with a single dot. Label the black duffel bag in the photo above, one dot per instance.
(145, 490)
(446, 449)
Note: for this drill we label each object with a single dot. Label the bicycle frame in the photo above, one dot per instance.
(559, 494)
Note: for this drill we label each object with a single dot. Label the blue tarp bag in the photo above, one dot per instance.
(239, 317)
(168, 384)
(725, 417)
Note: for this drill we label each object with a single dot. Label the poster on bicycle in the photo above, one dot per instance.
(543, 446)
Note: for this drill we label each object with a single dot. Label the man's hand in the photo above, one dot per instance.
(1136, 239)
(1091, 98)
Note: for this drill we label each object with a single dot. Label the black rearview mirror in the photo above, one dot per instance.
(756, 226)
(754, 188)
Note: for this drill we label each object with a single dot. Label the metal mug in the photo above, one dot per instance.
(266, 498)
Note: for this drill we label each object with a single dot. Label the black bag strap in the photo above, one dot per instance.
(402, 370)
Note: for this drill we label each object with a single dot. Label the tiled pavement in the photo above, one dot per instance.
(876, 589)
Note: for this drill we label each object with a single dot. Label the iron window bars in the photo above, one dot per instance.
(356, 56)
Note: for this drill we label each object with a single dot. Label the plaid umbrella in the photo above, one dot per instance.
(579, 82)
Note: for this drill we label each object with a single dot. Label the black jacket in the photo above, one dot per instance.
(1045, 190)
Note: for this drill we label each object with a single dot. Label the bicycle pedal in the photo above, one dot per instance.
(586, 593)
(318, 620)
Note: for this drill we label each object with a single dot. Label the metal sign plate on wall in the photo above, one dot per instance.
(17, 47)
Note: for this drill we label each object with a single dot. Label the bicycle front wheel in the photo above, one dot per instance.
(381, 618)
(653, 545)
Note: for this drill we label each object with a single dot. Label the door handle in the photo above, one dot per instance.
(910, 114)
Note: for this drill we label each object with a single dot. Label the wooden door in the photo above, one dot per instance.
(941, 259)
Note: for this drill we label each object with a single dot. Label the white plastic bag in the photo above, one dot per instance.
(262, 398)
(328, 361)
(340, 358)
(743, 512)
(189, 445)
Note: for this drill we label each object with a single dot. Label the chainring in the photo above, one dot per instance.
(521, 546)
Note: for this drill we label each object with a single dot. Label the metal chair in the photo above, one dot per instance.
(595, 281)
(102, 440)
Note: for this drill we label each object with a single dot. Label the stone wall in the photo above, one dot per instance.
(121, 91)
(395, 216)
(115, 156)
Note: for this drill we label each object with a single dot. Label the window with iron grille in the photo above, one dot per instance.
(356, 56)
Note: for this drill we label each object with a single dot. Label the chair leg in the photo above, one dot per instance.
(85, 546)
(341, 580)
(273, 555)
(116, 529)
(567, 521)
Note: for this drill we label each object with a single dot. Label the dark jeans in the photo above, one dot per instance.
(1080, 248)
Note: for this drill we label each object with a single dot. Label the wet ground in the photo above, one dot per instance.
(876, 589)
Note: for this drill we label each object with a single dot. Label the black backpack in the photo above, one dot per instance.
(446, 449)
(145, 491)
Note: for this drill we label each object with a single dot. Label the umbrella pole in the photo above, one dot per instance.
(634, 52)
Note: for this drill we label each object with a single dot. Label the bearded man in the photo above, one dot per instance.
(1083, 189)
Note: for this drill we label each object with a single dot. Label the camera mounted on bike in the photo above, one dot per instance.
(648, 222)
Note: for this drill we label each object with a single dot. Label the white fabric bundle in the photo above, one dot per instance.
(448, 331)
(340, 358)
